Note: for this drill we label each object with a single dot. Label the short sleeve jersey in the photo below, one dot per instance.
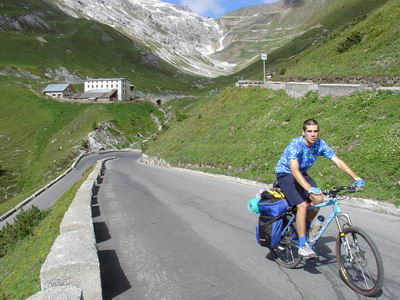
(305, 155)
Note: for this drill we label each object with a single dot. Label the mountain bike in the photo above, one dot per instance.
(360, 264)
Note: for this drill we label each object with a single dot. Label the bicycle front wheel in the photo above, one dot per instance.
(359, 261)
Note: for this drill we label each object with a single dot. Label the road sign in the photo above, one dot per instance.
(264, 56)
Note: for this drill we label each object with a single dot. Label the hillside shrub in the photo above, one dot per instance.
(180, 117)
(352, 39)
(23, 226)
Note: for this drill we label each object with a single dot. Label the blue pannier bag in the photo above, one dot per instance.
(271, 221)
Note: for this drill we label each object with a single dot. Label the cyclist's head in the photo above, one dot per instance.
(310, 131)
(309, 122)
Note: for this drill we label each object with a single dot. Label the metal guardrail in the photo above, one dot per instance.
(41, 190)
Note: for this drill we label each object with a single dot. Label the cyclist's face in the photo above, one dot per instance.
(311, 134)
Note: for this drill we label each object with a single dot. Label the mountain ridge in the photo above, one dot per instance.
(175, 33)
(198, 45)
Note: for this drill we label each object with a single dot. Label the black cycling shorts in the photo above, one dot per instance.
(293, 191)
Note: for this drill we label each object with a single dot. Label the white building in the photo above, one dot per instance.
(125, 90)
(59, 91)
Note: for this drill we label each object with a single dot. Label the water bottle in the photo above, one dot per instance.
(316, 226)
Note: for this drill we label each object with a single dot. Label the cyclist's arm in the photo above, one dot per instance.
(294, 168)
(344, 167)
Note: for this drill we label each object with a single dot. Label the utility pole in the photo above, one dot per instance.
(264, 58)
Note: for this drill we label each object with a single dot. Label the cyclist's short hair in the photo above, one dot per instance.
(309, 122)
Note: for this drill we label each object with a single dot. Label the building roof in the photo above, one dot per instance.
(59, 87)
(92, 94)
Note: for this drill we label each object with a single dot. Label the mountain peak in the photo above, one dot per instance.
(178, 35)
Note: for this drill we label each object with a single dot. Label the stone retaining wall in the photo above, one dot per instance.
(71, 270)
(300, 89)
(338, 90)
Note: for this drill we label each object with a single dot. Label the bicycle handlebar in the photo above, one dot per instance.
(337, 189)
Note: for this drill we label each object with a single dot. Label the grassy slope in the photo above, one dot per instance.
(40, 137)
(271, 24)
(20, 269)
(84, 47)
(377, 54)
(242, 132)
(333, 16)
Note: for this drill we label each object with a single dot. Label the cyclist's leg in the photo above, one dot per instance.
(311, 214)
(314, 199)
(296, 196)
(301, 219)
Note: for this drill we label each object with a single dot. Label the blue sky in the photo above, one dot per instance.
(216, 8)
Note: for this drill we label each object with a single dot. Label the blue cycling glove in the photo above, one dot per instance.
(314, 190)
(359, 182)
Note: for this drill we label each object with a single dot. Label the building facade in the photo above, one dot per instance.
(125, 90)
(59, 91)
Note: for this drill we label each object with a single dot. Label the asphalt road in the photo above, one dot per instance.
(168, 234)
(51, 195)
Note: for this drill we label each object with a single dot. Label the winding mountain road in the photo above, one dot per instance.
(168, 234)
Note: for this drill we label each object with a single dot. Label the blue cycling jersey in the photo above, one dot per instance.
(305, 155)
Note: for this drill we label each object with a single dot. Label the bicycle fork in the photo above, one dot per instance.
(343, 220)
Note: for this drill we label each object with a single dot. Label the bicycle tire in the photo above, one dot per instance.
(286, 254)
(363, 269)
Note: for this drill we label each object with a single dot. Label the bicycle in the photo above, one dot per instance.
(360, 264)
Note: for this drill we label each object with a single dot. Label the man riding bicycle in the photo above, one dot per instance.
(298, 186)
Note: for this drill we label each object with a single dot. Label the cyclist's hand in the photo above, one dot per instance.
(314, 190)
(359, 183)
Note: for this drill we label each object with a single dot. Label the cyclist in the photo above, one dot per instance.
(298, 186)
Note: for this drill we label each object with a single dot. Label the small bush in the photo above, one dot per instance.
(352, 39)
(23, 226)
(180, 117)
(85, 144)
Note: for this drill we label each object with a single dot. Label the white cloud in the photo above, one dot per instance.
(203, 7)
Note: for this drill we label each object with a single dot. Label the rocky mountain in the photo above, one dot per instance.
(203, 46)
(162, 37)
(175, 33)
(257, 29)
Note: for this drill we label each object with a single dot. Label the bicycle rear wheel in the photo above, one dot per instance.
(286, 254)
(359, 261)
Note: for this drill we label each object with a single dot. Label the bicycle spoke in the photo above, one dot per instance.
(286, 253)
(360, 262)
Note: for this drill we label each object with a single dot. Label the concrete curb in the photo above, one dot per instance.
(71, 270)
(59, 293)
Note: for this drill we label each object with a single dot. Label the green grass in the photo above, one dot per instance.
(242, 132)
(39, 137)
(306, 55)
(84, 47)
(20, 268)
(375, 54)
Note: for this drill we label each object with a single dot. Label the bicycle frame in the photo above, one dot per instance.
(336, 214)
